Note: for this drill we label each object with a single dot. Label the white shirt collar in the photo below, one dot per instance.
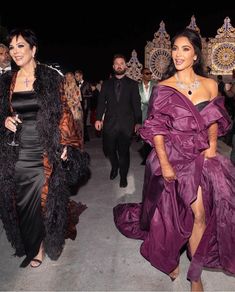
(8, 68)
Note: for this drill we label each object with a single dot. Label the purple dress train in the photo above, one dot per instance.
(164, 219)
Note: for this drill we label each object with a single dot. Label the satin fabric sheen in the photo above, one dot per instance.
(29, 174)
(164, 219)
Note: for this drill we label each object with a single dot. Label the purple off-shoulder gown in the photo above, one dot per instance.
(164, 219)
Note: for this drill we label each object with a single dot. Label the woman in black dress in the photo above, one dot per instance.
(34, 194)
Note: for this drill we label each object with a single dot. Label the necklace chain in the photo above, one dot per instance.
(189, 87)
(27, 78)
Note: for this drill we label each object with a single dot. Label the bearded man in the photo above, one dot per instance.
(119, 114)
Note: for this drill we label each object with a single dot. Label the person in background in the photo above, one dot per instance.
(145, 90)
(189, 188)
(119, 100)
(230, 92)
(221, 84)
(73, 95)
(5, 59)
(99, 85)
(38, 135)
(228, 102)
(208, 71)
(86, 94)
(93, 104)
(229, 105)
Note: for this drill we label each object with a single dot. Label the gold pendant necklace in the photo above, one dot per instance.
(189, 87)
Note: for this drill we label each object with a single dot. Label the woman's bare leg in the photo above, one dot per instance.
(199, 227)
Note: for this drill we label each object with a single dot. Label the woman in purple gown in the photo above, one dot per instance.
(189, 188)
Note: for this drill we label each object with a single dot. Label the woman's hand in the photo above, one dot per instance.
(64, 154)
(168, 172)
(11, 123)
(209, 153)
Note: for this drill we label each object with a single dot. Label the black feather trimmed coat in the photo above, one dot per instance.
(56, 128)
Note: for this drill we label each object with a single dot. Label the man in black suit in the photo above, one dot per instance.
(86, 93)
(5, 59)
(119, 103)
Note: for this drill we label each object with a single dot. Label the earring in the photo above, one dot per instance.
(194, 58)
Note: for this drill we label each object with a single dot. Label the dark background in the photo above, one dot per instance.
(87, 37)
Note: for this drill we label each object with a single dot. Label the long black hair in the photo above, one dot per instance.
(195, 40)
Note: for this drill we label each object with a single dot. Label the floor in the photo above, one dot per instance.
(101, 259)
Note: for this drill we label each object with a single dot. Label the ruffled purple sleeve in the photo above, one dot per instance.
(158, 120)
(215, 112)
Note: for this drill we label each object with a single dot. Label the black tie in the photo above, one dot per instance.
(118, 89)
(3, 71)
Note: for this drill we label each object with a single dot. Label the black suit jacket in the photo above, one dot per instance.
(86, 93)
(120, 115)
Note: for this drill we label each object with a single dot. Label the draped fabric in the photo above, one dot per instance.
(164, 219)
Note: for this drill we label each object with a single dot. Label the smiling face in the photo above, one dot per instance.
(183, 53)
(21, 52)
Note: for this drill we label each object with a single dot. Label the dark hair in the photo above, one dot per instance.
(79, 71)
(195, 40)
(26, 33)
(69, 72)
(233, 73)
(4, 46)
(144, 69)
(116, 56)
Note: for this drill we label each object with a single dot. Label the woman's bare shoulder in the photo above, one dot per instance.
(207, 81)
(169, 82)
(211, 85)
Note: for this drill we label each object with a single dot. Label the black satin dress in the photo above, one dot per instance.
(29, 174)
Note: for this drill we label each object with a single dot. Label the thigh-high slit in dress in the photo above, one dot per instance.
(164, 219)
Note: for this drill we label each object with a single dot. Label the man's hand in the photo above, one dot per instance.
(99, 125)
(137, 127)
